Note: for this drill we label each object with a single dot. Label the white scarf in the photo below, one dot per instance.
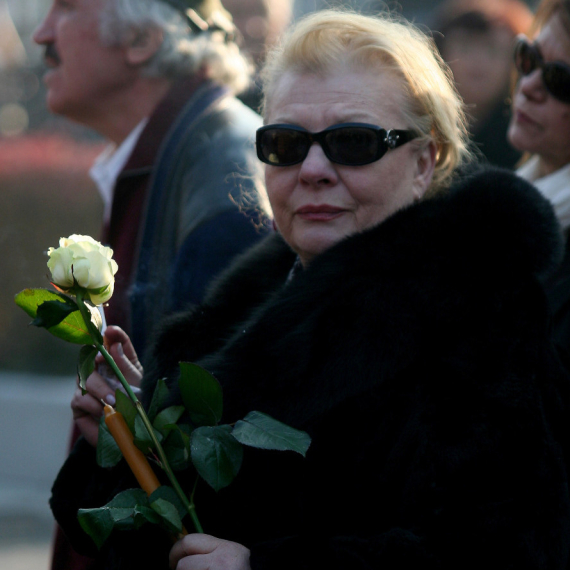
(109, 164)
(554, 187)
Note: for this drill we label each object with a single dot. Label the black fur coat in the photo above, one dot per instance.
(417, 356)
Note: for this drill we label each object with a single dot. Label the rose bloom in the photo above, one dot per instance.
(81, 263)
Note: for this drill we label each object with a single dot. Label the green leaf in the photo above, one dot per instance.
(142, 438)
(51, 313)
(86, 364)
(169, 494)
(159, 399)
(142, 515)
(169, 514)
(108, 452)
(128, 498)
(99, 523)
(177, 446)
(262, 431)
(72, 328)
(125, 406)
(201, 394)
(168, 416)
(216, 454)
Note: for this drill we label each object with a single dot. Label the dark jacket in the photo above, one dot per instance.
(188, 200)
(557, 289)
(417, 356)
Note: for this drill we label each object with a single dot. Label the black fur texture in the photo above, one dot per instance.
(417, 355)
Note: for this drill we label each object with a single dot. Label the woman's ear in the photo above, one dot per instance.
(425, 166)
(142, 45)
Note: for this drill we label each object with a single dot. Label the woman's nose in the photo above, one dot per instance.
(317, 169)
(532, 85)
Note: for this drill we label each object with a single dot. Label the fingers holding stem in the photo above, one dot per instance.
(97, 340)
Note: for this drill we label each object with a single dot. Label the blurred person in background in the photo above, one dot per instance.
(12, 52)
(180, 179)
(157, 78)
(475, 38)
(260, 23)
(540, 127)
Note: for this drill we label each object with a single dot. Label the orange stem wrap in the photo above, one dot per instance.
(134, 456)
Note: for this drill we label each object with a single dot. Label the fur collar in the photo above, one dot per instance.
(433, 271)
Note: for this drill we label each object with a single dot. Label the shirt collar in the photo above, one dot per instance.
(109, 164)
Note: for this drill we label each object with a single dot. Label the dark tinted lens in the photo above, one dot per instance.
(353, 145)
(557, 80)
(283, 146)
(526, 57)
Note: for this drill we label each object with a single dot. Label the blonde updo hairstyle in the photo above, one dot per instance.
(331, 40)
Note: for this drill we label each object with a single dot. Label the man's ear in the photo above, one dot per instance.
(142, 45)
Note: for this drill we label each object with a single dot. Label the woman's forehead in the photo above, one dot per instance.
(554, 40)
(340, 96)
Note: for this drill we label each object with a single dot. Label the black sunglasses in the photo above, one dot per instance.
(353, 144)
(555, 74)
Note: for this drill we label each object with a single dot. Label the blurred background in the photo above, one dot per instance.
(46, 193)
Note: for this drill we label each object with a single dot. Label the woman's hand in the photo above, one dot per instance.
(121, 348)
(101, 385)
(205, 552)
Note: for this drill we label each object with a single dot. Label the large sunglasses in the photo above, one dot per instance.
(352, 144)
(555, 74)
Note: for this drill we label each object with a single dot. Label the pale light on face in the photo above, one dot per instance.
(84, 74)
(540, 124)
(317, 203)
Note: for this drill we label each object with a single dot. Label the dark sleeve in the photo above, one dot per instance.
(82, 484)
(478, 480)
(207, 251)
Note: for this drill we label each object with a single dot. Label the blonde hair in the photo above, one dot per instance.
(328, 40)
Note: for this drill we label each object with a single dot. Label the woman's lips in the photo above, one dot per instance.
(524, 119)
(322, 213)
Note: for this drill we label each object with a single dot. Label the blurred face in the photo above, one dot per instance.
(317, 203)
(481, 63)
(260, 22)
(540, 124)
(84, 75)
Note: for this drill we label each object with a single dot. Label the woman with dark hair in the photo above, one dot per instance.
(540, 127)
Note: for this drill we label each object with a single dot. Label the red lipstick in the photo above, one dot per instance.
(321, 213)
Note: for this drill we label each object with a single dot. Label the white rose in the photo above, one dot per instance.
(81, 263)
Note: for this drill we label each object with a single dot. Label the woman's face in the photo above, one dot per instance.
(317, 203)
(481, 62)
(540, 124)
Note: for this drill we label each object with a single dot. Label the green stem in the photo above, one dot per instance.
(95, 336)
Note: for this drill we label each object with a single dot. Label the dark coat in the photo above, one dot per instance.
(417, 356)
(185, 204)
(557, 289)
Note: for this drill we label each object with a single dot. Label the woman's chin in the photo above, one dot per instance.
(315, 243)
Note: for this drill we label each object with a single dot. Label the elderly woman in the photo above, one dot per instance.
(540, 126)
(402, 327)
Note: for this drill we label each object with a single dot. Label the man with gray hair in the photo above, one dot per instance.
(180, 180)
